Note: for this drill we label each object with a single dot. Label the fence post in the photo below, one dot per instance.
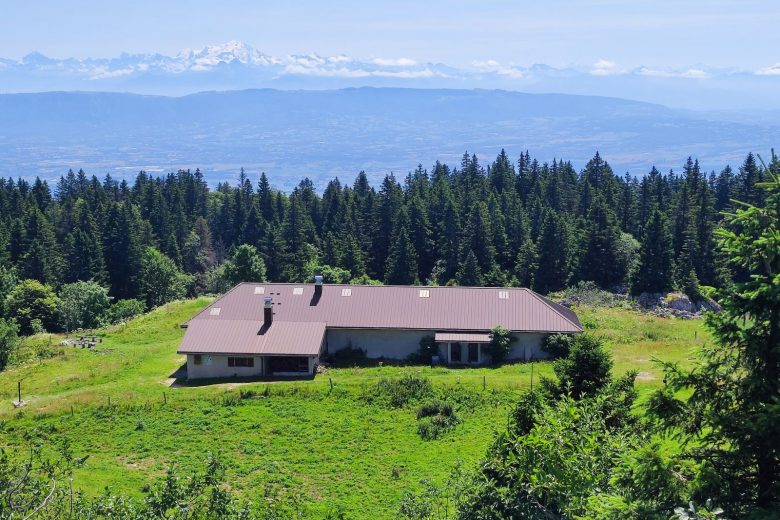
(19, 391)
(532, 376)
(331, 383)
(484, 383)
(165, 398)
(71, 410)
(109, 401)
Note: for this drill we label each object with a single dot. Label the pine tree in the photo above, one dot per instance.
(729, 420)
(470, 274)
(654, 269)
(402, 259)
(555, 250)
(599, 263)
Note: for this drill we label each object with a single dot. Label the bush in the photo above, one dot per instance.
(397, 393)
(524, 415)
(427, 350)
(558, 345)
(124, 310)
(500, 344)
(436, 418)
(349, 356)
(586, 369)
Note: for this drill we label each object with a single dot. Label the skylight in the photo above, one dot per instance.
(259, 290)
(425, 293)
(503, 295)
(215, 311)
(346, 292)
(297, 291)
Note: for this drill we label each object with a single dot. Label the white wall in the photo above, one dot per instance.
(219, 368)
(391, 344)
(527, 345)
(398, 344)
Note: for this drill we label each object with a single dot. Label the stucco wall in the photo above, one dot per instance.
(398, 344)
(219, 368)
(527, 345)
(392, 344)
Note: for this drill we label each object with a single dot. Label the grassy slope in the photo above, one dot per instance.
(331, 447)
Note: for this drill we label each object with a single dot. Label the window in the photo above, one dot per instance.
(215, 311)
(297, 291)
(455, 352)
(473, 353)
(503, 295)
(241, 362)
(346, 291)
(197, 359)
(425, 293)
(259, 290)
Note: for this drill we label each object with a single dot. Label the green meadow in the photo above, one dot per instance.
(323, 441)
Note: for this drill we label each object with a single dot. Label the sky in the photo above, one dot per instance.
(664, 33)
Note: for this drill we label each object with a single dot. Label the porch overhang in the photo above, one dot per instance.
(462, 337)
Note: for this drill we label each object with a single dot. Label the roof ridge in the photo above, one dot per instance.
(552, 306)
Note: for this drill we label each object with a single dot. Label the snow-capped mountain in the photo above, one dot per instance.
(236, 65)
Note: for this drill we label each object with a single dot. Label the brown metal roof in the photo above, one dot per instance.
(462, 337)
(398, 307)
(249, 337)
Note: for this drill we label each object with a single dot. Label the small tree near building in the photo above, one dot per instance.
(500, 344)
(9, 340)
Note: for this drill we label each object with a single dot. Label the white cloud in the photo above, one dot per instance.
(661, 73)
(497, 68)
(773, 70)
(397, 62)
(103, 73)
(605, 68)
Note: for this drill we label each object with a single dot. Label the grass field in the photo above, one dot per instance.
(332, 447)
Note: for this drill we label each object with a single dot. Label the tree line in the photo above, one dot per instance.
(540, 225)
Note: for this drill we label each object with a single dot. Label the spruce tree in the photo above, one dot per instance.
(555, 250)
(653, 272)
(470, 274)
(402, 259)
(728, 418)
(599, 262)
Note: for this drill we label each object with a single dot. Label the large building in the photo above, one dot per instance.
(269, 329)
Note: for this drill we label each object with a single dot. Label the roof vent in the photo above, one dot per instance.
(259, 290)
(318, 279)
(425, 293)
(268, 302)
(268, 312)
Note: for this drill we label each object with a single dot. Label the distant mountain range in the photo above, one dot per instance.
(235, 66)
(322, 134)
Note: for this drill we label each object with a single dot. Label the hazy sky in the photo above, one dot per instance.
(666, 33)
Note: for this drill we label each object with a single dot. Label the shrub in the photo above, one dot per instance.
(397, 393)
(500, 344)
(425, 352)
(587, 367)
(524, 415)
(349, 356)
(558, 345)
(124, 310)
(436, 418)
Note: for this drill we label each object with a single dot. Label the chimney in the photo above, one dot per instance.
(318, 286)
(268, 312)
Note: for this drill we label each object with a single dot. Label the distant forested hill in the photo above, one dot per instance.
(323, 134)
(510, 222)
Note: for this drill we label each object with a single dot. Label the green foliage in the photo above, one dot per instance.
(8, 281)
(83, 305)
(434, 419)
(397, 393)
(329, 273)
(585, 369)
(246, 265)
(653, 272)
(161, 280)
(30, 300)
(348, 356)
(500, 344)
(558, 345)
(9, 340)
(427, 350)
(725, 409)
(127, 309)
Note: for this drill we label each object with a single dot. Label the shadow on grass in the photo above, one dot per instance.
(180, 379)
